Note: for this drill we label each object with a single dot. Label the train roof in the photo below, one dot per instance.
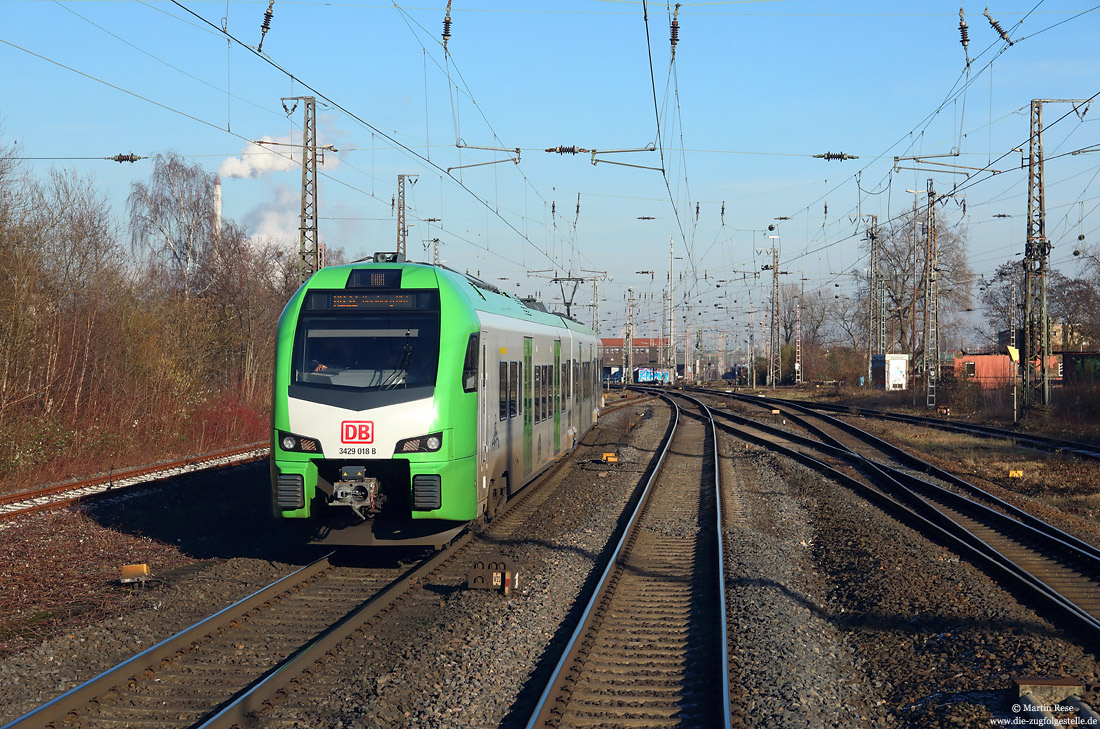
(482, 296)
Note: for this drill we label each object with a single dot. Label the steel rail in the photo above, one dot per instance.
(236, 710)
(63, 494)
(721, 532)
(918, 464)
(902, 499)
(58, 708)
(544, 711)
(557, 676)
(1031, 440)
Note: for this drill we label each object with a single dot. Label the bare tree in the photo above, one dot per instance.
(847, 322)
(174, 217)
(1074, 303)
(997, 296)
(902, 251)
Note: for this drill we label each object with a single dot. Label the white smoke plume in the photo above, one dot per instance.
(257, 160)
(278, 217)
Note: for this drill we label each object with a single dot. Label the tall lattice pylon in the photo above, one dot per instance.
(308, 258)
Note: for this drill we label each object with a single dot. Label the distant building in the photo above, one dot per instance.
(649, 360)
(994, 369)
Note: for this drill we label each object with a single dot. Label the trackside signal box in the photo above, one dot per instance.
(493, 573)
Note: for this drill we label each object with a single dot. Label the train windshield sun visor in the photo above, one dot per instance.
(367, 353)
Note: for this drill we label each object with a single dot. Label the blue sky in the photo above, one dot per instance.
(756, 89)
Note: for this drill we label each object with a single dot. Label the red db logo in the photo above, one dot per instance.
(357, 431)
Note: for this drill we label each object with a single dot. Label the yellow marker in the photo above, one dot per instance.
(134, 573)
(1015, 474)
(504, 350)
(607, 457)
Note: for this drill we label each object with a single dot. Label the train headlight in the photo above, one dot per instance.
(421, 444)
(293, 443)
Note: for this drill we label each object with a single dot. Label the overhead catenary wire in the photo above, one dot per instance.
(834, 228)
(207, 123)
(373, 128)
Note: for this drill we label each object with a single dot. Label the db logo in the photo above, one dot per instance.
(357, 431)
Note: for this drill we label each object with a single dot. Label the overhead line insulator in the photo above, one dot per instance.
(120, 158)
(266, 25)
(997, 27)
(568, 150)
(674, 30)
(964, 36)
(447, 27)
(835, 156)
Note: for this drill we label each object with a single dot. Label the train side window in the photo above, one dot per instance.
(543, 409)
(564, 390)
(537, 415)
(547, 378)
(540, 414)
(504, 390)
(513, 389)
(469, 367)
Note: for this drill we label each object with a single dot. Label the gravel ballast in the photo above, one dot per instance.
(864, 621)
(839, 616)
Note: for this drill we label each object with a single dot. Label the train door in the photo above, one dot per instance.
(528, 404)
(483, 406)
(555, 400)
(583, 391)
(483, 425)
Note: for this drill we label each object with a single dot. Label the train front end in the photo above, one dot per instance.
(374, 409)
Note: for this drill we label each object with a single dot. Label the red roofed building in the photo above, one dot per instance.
(648, 352)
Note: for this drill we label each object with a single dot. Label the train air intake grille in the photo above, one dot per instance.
(289, 493)
(427, 492)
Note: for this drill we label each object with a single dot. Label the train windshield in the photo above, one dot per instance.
(371, 352)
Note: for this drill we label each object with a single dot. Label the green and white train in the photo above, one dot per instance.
(410, 400)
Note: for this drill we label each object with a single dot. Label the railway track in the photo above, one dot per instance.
(229, 669)
(65, 494)
(845, 435)
(1030, 440)
(647, 651)
(1058, 570)
(176, 682)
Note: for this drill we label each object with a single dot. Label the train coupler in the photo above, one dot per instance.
(356, 490)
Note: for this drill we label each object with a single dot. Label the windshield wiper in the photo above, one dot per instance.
(400, 375)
